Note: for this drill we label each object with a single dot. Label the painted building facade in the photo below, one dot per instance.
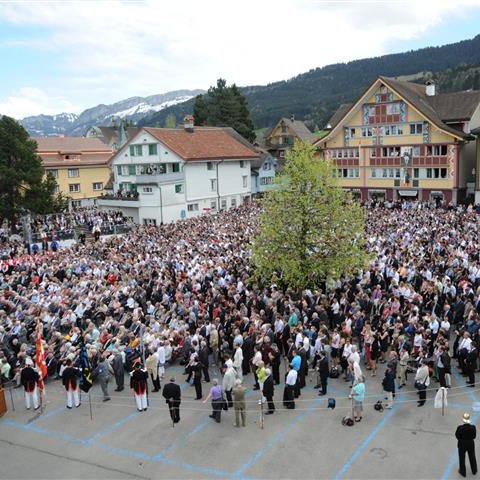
(405, 141)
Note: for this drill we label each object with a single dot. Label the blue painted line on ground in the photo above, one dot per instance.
(111, 428)
(43, 431)
(47, 415)
(453, 459)
(277, 438)
(190, 434)
(365, 443)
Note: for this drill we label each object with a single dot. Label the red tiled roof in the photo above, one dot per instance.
(203, 143)
(65, 145)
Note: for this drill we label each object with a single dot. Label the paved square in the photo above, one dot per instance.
(308, 442)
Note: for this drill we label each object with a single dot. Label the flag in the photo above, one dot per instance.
(40, 358)
(87, 379)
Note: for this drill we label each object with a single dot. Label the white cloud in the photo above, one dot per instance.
(116, 49)
(28, 101)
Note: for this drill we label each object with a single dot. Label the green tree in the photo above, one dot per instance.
(171, 121)
(310, 229)
(224, 106)
(23, 183)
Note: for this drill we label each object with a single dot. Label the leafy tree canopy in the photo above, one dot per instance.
(23, 183)
(224, 106)
(310, 229)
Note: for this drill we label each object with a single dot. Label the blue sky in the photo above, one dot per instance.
(70, 55)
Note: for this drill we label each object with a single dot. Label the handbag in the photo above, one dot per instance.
(420, 385)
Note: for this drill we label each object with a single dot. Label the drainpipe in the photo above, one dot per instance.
(218, 186)
(161, 205)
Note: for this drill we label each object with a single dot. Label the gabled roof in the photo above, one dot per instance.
(204, 143)
(339, 114)
(439, 109)
(297, 127)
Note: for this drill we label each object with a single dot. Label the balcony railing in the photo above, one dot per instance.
(159, 178)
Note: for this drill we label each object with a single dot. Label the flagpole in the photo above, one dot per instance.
(90, 402)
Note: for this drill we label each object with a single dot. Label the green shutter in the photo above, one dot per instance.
(175, 167)
(139, 150)
(152, 149)
(119, 170)
(132, 150)
(131, 170)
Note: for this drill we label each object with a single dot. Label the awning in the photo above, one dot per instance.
(408, 193)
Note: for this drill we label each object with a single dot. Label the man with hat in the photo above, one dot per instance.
(69, 380)
(465, 435)
(29, 378)
(139, 382)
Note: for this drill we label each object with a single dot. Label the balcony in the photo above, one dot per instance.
(117, 201)
(159, 178)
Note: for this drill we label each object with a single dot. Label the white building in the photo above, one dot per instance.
(162, 175)
(263, 173)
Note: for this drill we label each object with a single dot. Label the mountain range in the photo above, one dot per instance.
(312, 96)
(132, 109)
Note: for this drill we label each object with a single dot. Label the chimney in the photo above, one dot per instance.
(430, 89)
(188, 123)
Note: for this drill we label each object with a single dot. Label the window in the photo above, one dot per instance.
(213, 184)
(132, 150)
(132, 169)
(213, 205)
(233, 202)
(161, 168)
(443, 149)
(97, 186)
(374, 173)
(266, 181)
(223, 204)
(367, 132)
(416, 173)
(245, 181)
(73, 172)
(147, 189)
(192, 207)
(53, 173)
(429, 172)
(119, 169)
(397, 173)
(416, 128)
(175, 167)
(179, 188)
(416, 151)
(150, 221)
(267, 166)
(152, 149)
(76, 203)
(373, 152)
(242, 163)
(393, 109)
(384, 172)
(74, 188)
(443, 173)
(136, 150)
(352, 132)
(209, 165)
(56, 189)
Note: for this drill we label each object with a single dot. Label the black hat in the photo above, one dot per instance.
(331, 403)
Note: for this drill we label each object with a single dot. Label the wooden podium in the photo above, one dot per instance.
(3, 403)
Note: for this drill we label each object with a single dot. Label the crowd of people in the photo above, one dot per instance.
(61, 225)
(186, 292)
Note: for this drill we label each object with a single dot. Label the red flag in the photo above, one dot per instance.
(40, 359)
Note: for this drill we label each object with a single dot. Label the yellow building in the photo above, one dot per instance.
(284, 134)
(402, 140)
(81, 166)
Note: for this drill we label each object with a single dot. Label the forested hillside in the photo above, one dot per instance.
(313, 96)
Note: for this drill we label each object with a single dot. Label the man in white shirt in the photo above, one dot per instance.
(238, 360)
(289, 392)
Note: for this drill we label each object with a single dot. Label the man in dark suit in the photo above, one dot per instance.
(465, 435)
(172, 394)
(471, 365)
(323, 373)
(268, 389)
